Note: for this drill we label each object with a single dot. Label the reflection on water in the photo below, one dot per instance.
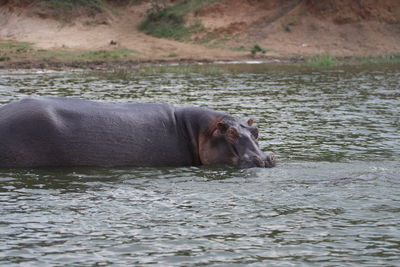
(332, 200)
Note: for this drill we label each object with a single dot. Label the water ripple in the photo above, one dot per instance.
(332, 199)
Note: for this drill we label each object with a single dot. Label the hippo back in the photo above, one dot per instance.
(66, 131)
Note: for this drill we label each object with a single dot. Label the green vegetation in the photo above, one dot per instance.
(94, 6)
(257, 49)
(10, 50)
(386, 59)
(86, 56)
(323, 60)
(25, 51)
(197, 69)
(168, 21)
(253, 50)
(172, 55)
(67, 9)
(4, 58)
(326, 60)
(15, 47)
(211, 39)
(168, 29)
(240, 48)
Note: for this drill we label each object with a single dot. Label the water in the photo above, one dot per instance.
(333, 199)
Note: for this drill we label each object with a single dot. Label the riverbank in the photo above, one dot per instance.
(18, 56)
(326, 34)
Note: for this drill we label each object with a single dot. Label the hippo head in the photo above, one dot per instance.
(233, 142)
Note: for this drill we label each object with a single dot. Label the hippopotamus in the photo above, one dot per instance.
(57, 131)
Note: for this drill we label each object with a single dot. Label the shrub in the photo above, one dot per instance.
(257, 49)
(168, 21)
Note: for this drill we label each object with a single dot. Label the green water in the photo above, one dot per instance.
(333, 199)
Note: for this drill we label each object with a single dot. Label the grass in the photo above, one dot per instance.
(67, 9)
(15, 46)
(10, 50)
(385, 59)
(18, 51)
(240, 49)
(87, 56)
(323, 60)
(207, 69)
(326, 60)
(168, 22)
(172, 55)
(24, 52)
(95, 6)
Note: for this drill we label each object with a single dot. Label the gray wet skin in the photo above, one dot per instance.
(52, 131)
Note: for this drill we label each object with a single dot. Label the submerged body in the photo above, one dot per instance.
(50, 131)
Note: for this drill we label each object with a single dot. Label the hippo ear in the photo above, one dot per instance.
(250, 122)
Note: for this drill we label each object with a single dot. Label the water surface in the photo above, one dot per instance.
(333, 199)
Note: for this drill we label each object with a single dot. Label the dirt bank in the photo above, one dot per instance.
(284, 28)
(299, 27)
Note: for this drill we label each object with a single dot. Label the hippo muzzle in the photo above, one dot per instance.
(264, 161)
(269, 161)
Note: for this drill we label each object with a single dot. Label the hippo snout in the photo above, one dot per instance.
(269, 161)
(266, 161)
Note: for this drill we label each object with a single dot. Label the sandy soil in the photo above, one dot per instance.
(96, 33)
(298, 27)
(289, 28)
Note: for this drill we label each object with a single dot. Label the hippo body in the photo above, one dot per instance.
(52, 131)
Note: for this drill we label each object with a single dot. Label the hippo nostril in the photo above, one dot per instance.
(270, 161)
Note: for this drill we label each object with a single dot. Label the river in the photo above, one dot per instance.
(332, 200)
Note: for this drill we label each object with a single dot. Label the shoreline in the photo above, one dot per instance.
(109, 65)
(103, 65)
(298, 33)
